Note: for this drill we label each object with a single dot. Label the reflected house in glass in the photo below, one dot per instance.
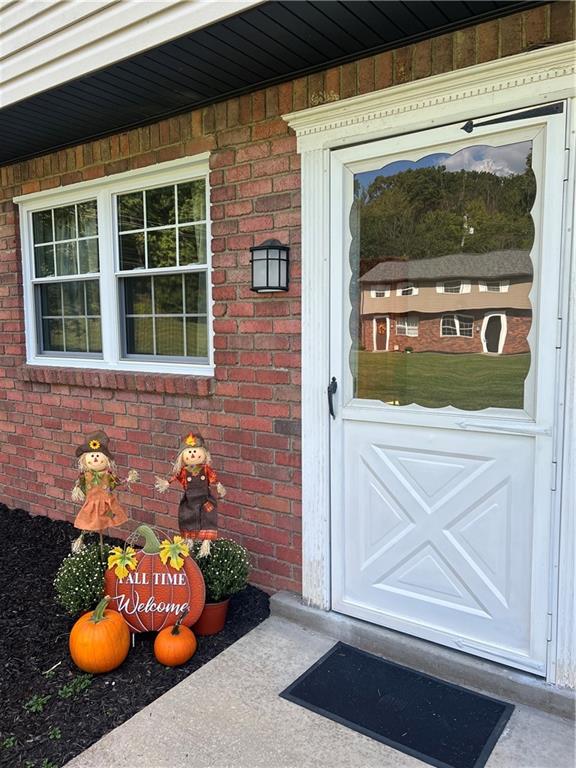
(458, 303)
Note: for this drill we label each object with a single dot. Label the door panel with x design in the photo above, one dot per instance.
(443, 535)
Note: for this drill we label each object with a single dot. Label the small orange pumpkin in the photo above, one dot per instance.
(99, 640)
(175, 645)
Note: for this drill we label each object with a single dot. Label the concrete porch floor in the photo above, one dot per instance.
(228, 715)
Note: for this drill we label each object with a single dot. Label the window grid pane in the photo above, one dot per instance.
(407, 326)
(465, 324)
(173, 321)
(58, 242)
(449, 326)
(70, 316)
(162, 227)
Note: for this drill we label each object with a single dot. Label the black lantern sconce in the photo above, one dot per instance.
(270, 267)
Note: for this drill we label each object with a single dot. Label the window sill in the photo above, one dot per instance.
(175, 384)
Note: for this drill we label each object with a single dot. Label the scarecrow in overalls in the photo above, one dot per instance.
(197, 512)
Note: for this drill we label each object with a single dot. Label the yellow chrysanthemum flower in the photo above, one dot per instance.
(122, 560)
(175, 550)
(94, 444)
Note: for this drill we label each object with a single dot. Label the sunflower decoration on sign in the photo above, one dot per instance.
(175, 551)
(122, 561)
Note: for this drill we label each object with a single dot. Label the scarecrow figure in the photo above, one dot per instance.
(197, 512)
(95, 486)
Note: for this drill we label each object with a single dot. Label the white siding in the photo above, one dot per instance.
(44, 43)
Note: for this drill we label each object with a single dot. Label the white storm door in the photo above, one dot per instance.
(441, 453)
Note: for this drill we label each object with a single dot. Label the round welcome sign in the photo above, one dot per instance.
(152, 587)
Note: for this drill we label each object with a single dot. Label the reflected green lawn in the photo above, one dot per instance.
(434, 380)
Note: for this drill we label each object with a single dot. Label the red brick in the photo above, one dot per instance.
(511, 34)
(442, 54)
(283, 145)
(222, 158)
(383, 70)
(256, 223)
(562, 18)
(276, 127)
(289, 181)
(238, 173)
(403, 65)
(220, 194)
(253, 152)
(254, 188)
(366, 75)
(536, 26)
(348, 86)
(273, 203)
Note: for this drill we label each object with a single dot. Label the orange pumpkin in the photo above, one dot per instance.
(154, 594)
(99, 640)
(175, 645)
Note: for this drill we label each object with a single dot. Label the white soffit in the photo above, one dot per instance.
(45, 43)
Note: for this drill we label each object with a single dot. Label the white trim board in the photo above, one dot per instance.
(45, 44)
(516, 82)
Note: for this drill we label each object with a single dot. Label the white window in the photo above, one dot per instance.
(407, 326)
(453, 286)
(117, 272)
(380, 293)
(457, 325)
(406, 289)
(493, 286)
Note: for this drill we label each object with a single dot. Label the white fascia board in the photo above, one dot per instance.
(80, 43)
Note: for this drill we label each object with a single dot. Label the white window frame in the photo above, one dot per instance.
(464, 286)
(105, 191)
(486, 286)
(405, 286)
(411, 325)
(456, 317)
(380, 293)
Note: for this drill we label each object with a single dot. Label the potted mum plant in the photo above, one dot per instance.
(79, 583)
(225, 570)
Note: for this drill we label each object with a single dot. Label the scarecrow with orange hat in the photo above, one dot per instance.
(197, 512)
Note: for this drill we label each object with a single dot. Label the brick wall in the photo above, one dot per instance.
(518, 326)
(250, 411)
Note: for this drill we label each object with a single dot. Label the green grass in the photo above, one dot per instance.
(435, 379)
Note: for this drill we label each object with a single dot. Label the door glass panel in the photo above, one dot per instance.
(441, 279)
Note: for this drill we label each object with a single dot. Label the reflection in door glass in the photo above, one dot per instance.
(441, 276)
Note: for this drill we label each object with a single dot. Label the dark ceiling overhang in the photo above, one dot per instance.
(267, 44)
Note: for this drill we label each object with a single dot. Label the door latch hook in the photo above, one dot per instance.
(332, 387)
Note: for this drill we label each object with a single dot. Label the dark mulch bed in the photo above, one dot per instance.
(34, 638)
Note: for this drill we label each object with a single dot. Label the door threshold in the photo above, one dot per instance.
(451, 665)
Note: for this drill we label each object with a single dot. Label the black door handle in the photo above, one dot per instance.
(332, 387)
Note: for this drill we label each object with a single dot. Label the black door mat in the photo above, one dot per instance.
(442, 724)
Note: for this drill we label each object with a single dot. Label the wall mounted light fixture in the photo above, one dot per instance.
(270, 271)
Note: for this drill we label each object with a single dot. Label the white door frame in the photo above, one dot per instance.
(516, 82)
(503, 330)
